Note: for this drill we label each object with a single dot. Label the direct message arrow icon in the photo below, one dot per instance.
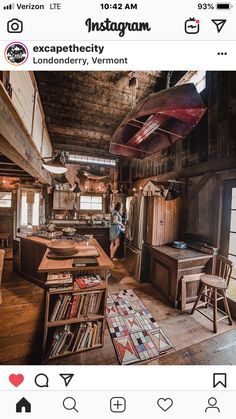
(220, 23)
(67, 378)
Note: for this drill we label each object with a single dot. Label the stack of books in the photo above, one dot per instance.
(60, 281)
(73, 338)
(87, 281)
(68, 306)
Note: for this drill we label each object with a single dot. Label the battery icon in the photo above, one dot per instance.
(224, 6)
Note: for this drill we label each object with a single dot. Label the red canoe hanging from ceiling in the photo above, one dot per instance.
(158, 121)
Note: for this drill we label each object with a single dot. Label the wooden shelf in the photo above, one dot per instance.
(102, 286)
(50, 327)
(75, 352)
(90, 318)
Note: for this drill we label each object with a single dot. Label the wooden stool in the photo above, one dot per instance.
(213, 289)
(4, 240)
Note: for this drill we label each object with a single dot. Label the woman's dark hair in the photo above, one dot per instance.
(118, 206)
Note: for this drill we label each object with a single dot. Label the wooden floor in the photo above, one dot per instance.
(22, 323)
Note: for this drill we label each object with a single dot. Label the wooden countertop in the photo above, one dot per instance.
(50, 265)
(35, 239)
(77, 225)
(180, 254)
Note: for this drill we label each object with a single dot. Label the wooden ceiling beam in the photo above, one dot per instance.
(12, 171)
(79, 133)
(82, 150)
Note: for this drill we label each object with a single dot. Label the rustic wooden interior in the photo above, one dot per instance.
(76, 114)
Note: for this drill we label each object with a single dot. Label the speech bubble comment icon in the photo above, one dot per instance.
(41, 380)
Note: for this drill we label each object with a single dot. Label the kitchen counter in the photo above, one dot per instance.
(31, 256)
(167, 265)
(179, 254)
(35, 239)
(76, 224)
(99, 232)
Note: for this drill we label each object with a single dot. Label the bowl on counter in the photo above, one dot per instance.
(180, 245)
(69, 231)
(62, 247)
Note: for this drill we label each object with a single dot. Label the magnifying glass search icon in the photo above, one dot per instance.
(69, 403)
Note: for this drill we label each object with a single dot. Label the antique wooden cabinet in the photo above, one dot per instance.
(63, 200)
(168, 265)
(163, 220)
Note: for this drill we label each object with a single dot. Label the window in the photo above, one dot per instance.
(29, 208)
(228, 236)
(91, 202)
(91, 160)
(5, 199)
(232, 232)
(199, 79)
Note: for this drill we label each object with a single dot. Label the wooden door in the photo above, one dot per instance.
(163, 220)
(155, 220)
(171, 219)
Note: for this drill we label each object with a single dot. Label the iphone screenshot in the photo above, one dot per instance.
(117, 209)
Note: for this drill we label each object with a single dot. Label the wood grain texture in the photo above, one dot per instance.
(164, 219)
(83, 109)
(21, 316)
(15, 141)
(50, 265)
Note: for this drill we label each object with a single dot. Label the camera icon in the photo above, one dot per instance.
(15, 26)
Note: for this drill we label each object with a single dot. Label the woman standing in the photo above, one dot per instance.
(116, 229)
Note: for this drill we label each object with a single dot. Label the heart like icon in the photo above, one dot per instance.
(165, 404)
(16, 379)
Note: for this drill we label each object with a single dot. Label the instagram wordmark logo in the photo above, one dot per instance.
(16, 53)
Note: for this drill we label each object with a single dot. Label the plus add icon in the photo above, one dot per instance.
(118, 405)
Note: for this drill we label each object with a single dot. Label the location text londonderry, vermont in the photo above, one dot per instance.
(108, 26)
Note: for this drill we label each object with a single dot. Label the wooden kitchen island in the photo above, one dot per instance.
(168, 265)
(51, 265)
(33, 264)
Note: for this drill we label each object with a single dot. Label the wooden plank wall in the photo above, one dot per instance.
(212, 139)
(210, 147)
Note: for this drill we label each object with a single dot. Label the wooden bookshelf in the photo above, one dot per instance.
(50, 327)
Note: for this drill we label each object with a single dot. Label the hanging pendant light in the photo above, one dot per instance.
(55, 165)
(133, 85)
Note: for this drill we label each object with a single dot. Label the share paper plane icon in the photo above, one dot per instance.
(67, 378)
(220, 23)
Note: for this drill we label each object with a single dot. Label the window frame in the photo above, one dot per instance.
(94, 211)
(11, 206)
(196, 83)
(226, 218)
(20, 192)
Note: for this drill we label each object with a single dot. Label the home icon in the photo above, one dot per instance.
(23, 406)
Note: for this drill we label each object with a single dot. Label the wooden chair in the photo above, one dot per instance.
(2, 254)
(213, 289)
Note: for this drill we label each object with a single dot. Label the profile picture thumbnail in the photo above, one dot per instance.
(16, 53)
